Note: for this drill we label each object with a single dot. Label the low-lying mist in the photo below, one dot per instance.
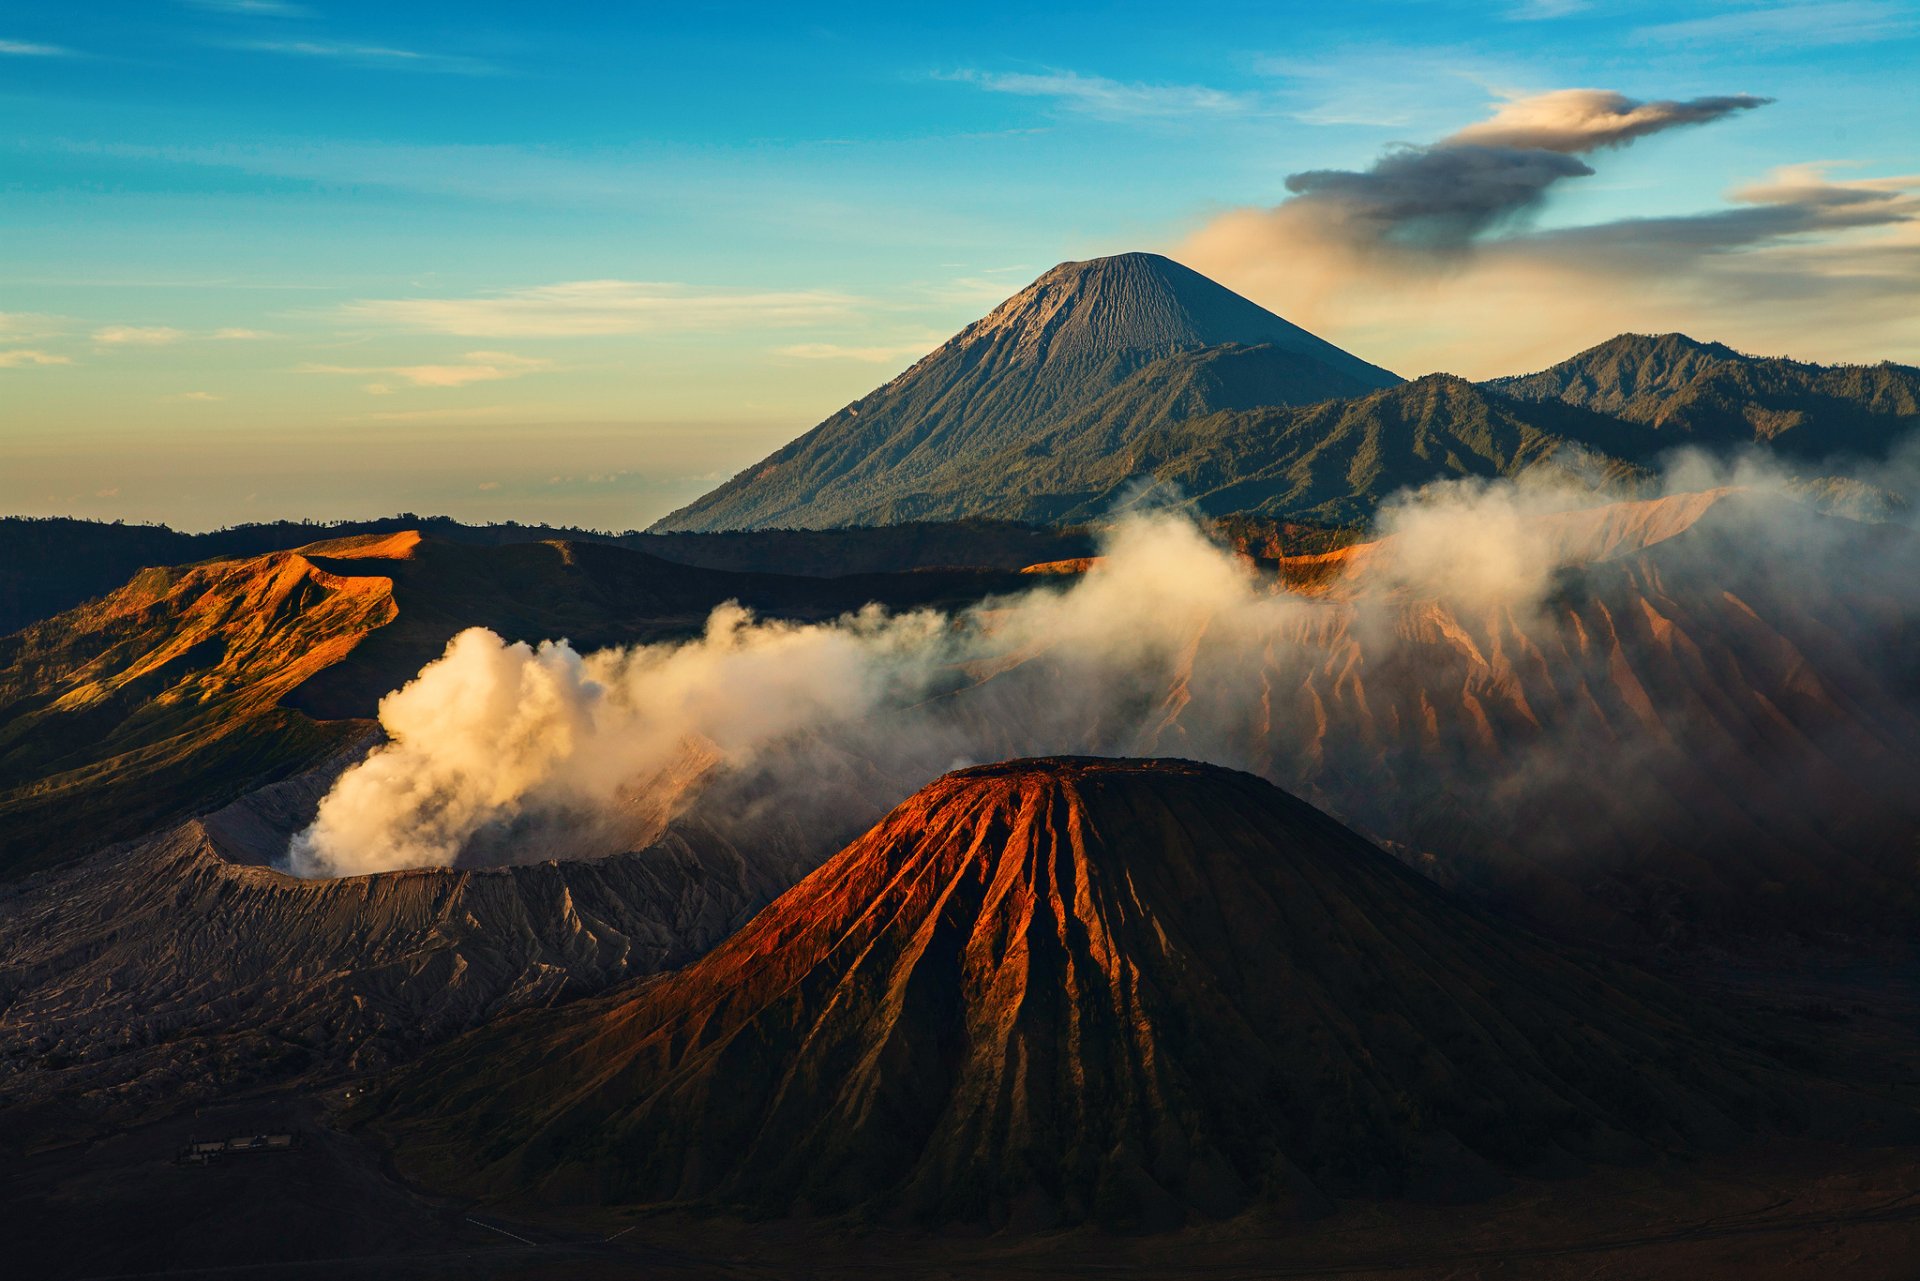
(1516, 664)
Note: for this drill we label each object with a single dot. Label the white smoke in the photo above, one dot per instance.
(507, 752)
(1169, 644)
(490, 732)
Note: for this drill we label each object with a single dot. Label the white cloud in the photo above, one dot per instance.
(26, 324)
(588, 307)
(465, 413)
(1107, 99)
(1792, 25)
(876, 355)
(1546, 10)
(196, 396)
(378, 56)
(476, 367)
(27, 49)
(1386, 85)
(240, 335)
(21, 357)
(256, 8)
(1579, 121)
(137, 336)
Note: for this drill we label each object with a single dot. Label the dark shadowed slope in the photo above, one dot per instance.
(50, 565)
(1710, 395)
(1332, 461)
(1070, 989)
(1055, 348)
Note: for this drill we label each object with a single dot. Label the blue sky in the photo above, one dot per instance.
(578, 262)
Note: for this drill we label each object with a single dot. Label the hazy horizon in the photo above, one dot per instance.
(261, 259)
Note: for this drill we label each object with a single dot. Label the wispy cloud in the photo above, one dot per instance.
(587, 307)
(255, 8)
(1792, 25)
(375, 56)
(1107, 99)
(26, 324)
(873, 355)
(28, 49)
(1546, 10)
(1792, 203)
(1384, 85)
(20, 358)
(988, 285)
(197, 397)
(138, 336)
(1577, 121)
(158, 335)
(475, 367)
(461, 414)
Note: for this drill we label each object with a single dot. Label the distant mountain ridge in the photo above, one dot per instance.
(1052, 350)
(50, 564)
(1708, 394)
(1105, 375)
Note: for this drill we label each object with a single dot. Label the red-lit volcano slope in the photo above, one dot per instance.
(1076, 989)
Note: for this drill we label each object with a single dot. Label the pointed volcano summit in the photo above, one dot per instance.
(1141, 302)
(1061, 990)
(912, 450)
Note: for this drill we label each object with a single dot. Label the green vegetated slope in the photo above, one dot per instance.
(1707, 394)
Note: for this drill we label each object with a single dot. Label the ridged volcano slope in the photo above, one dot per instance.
(1332, 461)
(1068, 989)
(1138, 334)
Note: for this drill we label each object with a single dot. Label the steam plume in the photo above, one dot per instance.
(1447, 669)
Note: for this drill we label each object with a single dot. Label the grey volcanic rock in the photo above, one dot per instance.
(1083, 329)
(1142, 302)
(176, 970)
